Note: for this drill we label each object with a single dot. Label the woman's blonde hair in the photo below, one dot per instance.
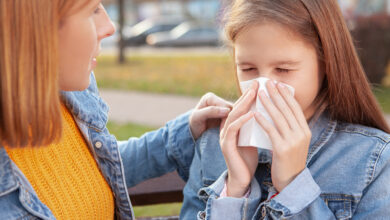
(345, 91)
(29, 101)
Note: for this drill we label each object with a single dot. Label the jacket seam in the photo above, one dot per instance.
(384, 139)
(377, 161)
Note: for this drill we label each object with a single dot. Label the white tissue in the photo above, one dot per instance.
(251, 133)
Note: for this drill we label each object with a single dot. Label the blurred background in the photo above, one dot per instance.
(168, 53)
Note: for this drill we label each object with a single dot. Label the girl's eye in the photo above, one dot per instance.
(248, 70)
(281, 70)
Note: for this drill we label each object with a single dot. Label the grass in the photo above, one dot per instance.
(185, 75)
(123, 132)
(383, 96)
(172, 209)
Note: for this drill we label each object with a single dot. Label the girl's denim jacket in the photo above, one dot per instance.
(123, 164)
(347, 176)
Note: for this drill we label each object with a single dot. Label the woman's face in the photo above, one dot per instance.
(271, 50)
(80, 35)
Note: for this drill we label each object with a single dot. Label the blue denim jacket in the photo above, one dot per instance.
(123, 164)
(347, 176)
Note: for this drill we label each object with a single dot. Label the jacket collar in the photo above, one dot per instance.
(87, 106)
(322, 128)
(8, 180)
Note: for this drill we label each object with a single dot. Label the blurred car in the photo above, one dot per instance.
(136, 35)
(186, 34)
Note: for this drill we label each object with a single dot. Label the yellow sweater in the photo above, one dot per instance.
(65, 176)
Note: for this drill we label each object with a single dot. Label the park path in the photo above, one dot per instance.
(145, 108)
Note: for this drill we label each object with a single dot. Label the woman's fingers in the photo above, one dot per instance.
(210, 99)
(201, 119)
(211, 112)
(207, 113)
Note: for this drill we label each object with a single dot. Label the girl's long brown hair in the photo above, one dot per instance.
(345, 93)
(29, 99)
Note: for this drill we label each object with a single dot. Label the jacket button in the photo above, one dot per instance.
(264, 211)
(98, 144)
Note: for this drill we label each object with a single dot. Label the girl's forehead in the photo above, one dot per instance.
(268, 31)
(269, 41)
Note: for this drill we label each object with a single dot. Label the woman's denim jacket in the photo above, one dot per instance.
(347, 176)
(123, 164)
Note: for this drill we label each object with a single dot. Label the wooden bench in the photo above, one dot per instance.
(165, 189)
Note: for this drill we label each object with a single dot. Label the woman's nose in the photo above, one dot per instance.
(109, 29)
(106, 28)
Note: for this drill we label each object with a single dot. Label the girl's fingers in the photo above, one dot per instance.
(276, 116)
(234, 160)
(243, 96)
(233, 129)
(294, 106)
(238, 110)
(221, 126)
(269, 128)
(254, 86)
(281, 104)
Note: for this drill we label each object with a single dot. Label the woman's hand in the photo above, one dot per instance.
(290, 136)
(241, 161)
(209, 112)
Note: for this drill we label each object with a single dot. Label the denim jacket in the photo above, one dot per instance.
(123, 164)
(347, 176)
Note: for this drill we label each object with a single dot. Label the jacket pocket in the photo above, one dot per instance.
(340, 204)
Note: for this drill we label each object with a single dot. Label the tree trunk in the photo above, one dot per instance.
(121, 20)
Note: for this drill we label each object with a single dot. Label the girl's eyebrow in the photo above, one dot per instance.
(243, 63)
(285, 62)
(277, 63)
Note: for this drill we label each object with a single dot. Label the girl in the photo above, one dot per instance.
(57, 159)
(331, 147)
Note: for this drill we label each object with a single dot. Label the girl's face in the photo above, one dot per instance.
(79, 44)
(271, 50)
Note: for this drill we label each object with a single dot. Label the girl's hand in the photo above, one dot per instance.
(290, 136)
(209, 112)
(241, 161)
